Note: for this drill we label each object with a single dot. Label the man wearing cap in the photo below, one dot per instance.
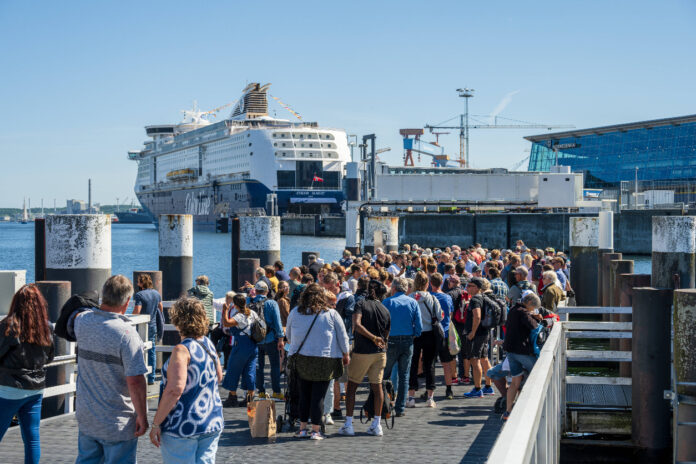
(522, 284)
(476, 342)
(313, 266)
(272, 345)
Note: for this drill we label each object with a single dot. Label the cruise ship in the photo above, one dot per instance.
(214, 169)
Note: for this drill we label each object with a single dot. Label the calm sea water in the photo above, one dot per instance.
(134, 248)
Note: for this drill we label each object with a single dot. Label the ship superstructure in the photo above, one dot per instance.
(212, 170)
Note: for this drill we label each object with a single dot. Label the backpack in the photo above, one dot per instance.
(82, 302)
(259, 328)
(493, 312)
(538, 336)
(367, 412)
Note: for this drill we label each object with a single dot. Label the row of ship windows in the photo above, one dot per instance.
(309, 145)
(302, 135)
(308, 154)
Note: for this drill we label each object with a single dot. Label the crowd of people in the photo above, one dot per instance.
(376, 316)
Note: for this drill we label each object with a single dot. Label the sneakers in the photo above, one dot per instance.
(506, 415)
(474, 393)
(488, 390)
(455, 381)
(278, 396)
(424, 395)
(263, 395)
(328, 420)
(346, 429)
(411, 402)
(230, 402)
(465, 381)
(375, 429)
(430, 403)
(302, 433)
(448, 394)
(316, 436)
(337, 414)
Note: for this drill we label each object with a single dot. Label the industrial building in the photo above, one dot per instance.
(659, 154)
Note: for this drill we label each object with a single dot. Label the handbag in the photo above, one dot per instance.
(438, 331)
(315, 368)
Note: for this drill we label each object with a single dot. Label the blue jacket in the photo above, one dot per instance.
(405, 315)
(271, 313)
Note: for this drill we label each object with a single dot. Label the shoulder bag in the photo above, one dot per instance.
(315, 368)
(438, 331)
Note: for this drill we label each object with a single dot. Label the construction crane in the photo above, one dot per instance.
(464, 127)
(415, 144)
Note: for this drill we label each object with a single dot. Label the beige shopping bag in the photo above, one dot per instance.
(262, 418)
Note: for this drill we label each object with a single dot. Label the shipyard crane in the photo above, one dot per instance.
(464, 127)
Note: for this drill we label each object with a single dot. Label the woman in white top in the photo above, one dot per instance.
(244, 352)
(327, 338)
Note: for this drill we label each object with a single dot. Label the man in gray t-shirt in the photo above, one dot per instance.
(111, 406)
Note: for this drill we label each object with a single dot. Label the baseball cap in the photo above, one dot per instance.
(261, 285)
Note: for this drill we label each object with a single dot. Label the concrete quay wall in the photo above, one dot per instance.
(632, 229)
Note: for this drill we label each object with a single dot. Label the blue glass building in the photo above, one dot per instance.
(663, 150)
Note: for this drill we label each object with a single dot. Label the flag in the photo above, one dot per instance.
(317, 179)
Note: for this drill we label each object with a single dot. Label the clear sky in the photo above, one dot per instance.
(79, 80)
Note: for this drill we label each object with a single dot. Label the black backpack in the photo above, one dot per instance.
(259, 328)
(82, 302)
(493, 312)
(367, 412)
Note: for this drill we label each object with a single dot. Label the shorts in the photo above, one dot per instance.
(499, 372)
(444, 355)
(520, 363)
(476, 348)
(372, 365)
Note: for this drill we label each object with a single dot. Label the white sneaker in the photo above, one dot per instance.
(411, 403)
(328, 420)
(346, 429)
(376, 430)
(430, 403)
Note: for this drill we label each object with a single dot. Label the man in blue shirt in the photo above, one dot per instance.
(406, 324)
(272, 345)
(447, 360)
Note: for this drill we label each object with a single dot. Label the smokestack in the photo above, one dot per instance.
(89, 196)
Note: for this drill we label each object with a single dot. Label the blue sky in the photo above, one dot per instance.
(79, 80)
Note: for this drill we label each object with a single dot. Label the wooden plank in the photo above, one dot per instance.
(582, 325)
(592, 380)
(592, 355)
(598, 334)
(595, 310)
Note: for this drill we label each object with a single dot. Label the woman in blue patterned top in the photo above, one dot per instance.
(188, 421)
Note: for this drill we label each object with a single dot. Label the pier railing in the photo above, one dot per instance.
(69, 363)
(533, 430)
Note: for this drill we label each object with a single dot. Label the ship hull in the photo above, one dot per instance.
(210, 203)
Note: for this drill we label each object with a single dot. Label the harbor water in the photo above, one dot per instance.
(134, 248)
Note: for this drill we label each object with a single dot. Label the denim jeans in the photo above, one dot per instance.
(29, 412)
(399, 353)
(95, 451)
(199, 449)
(270, 349)
(242, 364)
(151, 353)
(519, 363)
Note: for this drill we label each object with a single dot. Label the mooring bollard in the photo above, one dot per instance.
(651, 423)
(10, 282)
(674, 251)
(685, 372)
(626, 284)
(247, 271)
(617, 267)
(607, 258)
(381, 232)
(55, 293)
(78, 250)
(305, 256)
(584, 233)
(259, 237)
(176, 254)
(39, 249)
